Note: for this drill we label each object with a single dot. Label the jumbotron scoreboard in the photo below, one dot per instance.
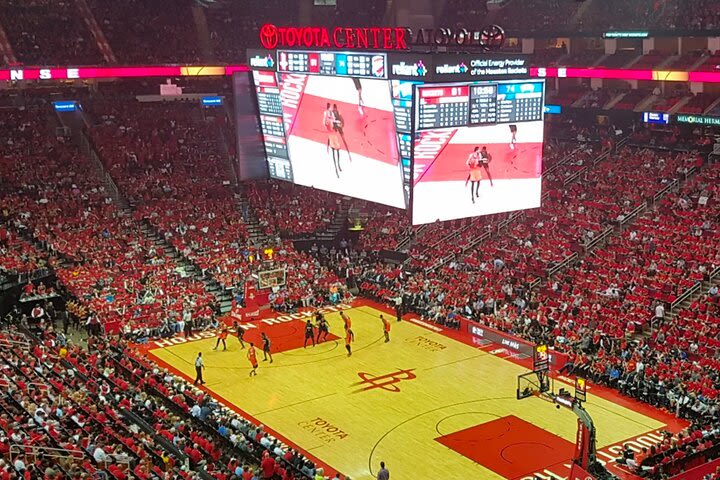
(351, 122)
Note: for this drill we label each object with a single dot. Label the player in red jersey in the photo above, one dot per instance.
(348, 325)
(386, 327)
(252, 356)
(348, 339)
(328, 118)
(476, 160)
(222, 335)
(474, 176)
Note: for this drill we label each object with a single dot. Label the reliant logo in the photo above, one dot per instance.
(451, 69)
(410, 69)
(262, 62)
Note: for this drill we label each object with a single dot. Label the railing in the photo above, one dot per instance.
(6, 342)
(664, 191)
(405, 241)
(47, 452)
(632, 215)
(713, 275)
(34, 275)
(600, 238)
(685, 295)
(563, 264)
(89, 150)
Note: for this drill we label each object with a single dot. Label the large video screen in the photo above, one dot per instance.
(332, 133)
(477, 149)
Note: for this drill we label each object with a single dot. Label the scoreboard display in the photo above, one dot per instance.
(361, 65)
(446, 106)
(477, 149)
(446, 136)
(272, 125)
(442, 107)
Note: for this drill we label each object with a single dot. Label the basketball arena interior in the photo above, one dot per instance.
(359, 239)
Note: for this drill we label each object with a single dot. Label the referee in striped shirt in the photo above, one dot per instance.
(199, 367)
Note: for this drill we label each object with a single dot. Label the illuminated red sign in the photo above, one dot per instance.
(488, 38)
(87, 73)
(374, 38)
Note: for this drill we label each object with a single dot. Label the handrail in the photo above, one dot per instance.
(659, 195)
(595, 241)
(564, 263)
(574, 176)
(685, 295)
(48, 452)
(7, 341)
(713, 274)
(631, 216)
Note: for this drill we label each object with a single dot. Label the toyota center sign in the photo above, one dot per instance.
(488, 38)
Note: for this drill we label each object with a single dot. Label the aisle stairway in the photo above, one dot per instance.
(74, 121)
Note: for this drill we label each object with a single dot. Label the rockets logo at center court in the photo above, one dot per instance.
(384, 382)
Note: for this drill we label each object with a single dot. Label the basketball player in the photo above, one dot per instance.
(309, 333)
(485, 159)
(348, 324)
(358, 87)
(240, 332)
(339, 124)
(328, 118)
(222, 335)
(474, 176)
(348, 339)
(266, 348)
(386, 327)
(334, 145)
(513, 140)
(323, 328)
(252, 356)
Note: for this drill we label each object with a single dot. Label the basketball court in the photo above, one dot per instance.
(429, 403)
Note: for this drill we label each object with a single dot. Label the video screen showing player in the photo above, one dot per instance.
(470, 171)
(341, 136)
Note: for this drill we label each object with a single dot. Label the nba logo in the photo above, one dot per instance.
(378, 66)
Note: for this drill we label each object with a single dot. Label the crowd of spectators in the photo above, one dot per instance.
(54, 194)
(148, 31)
(47, 32)
(676, 453)
(168, 165)
(289, 210)
(17, 255)
(105, 412)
